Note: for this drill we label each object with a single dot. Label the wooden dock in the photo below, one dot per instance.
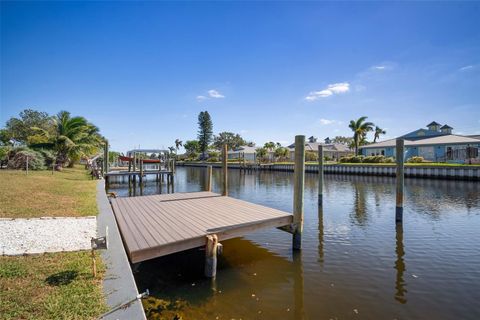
(157, 225)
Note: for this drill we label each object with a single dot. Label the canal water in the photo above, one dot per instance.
(355, 263)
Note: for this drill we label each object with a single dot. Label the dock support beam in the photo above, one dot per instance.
(400, 177)
(320, 175)
(208, 179)
(211, 256)
(225, 171)
(298, 191)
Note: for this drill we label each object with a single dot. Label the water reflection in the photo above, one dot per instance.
(320, 235)
(298, 285)
(347, 259)
(400, 293)
(359, 211)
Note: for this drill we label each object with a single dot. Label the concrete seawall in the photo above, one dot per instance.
(118, 284)
(417, 171)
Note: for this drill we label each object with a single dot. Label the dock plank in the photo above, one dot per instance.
(157, 225)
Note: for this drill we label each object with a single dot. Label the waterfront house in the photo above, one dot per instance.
(436, 143)
(331, 150)
(241, 152)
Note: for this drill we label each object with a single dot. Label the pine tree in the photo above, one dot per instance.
(205, 131)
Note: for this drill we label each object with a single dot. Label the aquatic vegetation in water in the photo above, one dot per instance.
(160, 309)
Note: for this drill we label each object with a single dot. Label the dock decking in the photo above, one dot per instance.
(157, 225)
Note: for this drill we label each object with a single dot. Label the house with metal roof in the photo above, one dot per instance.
(331, 150)
(436, 143)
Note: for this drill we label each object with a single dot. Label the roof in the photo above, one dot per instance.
(433, 123)
(243, 149)
(446, 126)
(444, 139)
(313, 146)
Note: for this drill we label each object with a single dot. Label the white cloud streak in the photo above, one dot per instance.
(326, 122)
(211, 94)
(215, 94)
(332, 89)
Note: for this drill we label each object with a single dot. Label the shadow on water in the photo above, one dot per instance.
(177, 285)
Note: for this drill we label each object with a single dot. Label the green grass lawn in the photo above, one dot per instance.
(53, 285)
(50, 286)
(70, 192)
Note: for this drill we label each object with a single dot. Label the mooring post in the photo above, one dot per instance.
(225, 171)
(208, 179)
(134, 166)
(298, 190)
(141, 170)
(400, 177)
(320, 175)
(105, 155)
(211, 256)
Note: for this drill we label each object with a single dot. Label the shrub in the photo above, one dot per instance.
(17, 159)
(212, 159)
(357, 159)
(389, 160)
(416, 159)
(345, 159)
(311, 156)
(213, 154)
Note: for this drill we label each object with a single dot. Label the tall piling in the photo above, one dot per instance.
(105, 157)
(320, 175)
(400, 144)
(225, 170)
(208, 179)
(298, 191)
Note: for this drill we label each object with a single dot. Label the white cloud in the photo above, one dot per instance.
(466, 68)
(211, 94)
(326, 122)
(335, 88)
(215, 94)
(384, 66)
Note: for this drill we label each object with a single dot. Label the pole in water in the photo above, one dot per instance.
(298, 191)
(211, 256)
(400, 144)
(320, 175)
(208, 179)
(225, 171)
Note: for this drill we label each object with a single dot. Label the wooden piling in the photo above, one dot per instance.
(105, 155)
(320, 175)
(400, 144)
(225, 171)
(211, 256)
(298, 191)
(208, 179)
(141, 171)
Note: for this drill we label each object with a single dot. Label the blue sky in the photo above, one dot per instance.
(142, 71)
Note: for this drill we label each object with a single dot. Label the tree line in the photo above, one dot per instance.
(47, 140)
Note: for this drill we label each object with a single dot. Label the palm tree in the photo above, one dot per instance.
(178, 144)
(360, 129)
(72, 138)
(378, 132)
(270, 146)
